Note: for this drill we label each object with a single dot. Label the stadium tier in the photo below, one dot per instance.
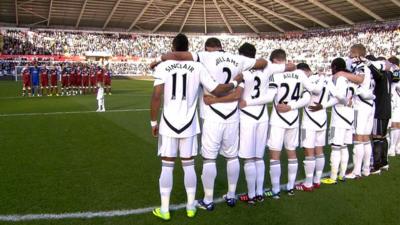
(231, 112)
(317, 48)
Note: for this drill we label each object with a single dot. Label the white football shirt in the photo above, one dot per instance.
(289, 86)
(223, 68)
(181, 81)
(256, 85)
(343, 114)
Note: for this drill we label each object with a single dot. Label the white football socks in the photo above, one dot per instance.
(275, 174)
(344, 159)
(358, 155)
(260, 167)
(190, 181)
(250, 173)
(208, 178)
(394, 140)
(335, 161)
(367, 158)
(232, 170)
(292, 172)
(166, 181)
(319, 167)
(309, 167)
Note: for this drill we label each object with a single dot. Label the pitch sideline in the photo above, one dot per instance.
(105, 214)
(71, 112)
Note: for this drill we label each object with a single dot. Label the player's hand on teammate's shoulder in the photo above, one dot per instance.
(316, 107)
(154, 64)
(242, 103)
(239, 78)
(209, 99)
(283, 107)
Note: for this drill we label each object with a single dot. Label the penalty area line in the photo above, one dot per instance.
(72, 112)
(105, 214)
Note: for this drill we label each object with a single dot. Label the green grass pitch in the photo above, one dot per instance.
(86, 161)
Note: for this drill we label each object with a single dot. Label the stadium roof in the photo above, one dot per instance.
(199, 16)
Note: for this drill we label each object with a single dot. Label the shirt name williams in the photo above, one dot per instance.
(228, 60)
(179, 66)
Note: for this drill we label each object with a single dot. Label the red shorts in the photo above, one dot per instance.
(107, 81)
(93, 82)
(79, 81)
(27, 83)
(72, 81)
(44, 83)
(85, 81)
(53, 81)
(64, 82)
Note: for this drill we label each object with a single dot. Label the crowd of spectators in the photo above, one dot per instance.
(315, 47)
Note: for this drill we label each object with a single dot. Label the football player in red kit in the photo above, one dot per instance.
(99, 75)
(79, 80)
(27, 84)
(44, 81)
(53, 82)
(107, 81)
(93, 82)
(64, 81)
(85, 80)
(72, 80)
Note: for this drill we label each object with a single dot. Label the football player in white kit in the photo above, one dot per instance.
(254, 119)
(313, 132)
(395, 120)
(177, 84)
(221, 120)
(342, 119)
(284, 87)
(363, 109)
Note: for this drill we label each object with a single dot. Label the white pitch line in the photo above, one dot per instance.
(113, 213)
(72, 112)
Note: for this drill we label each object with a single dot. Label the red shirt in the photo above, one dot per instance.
(26, 76)
(99, 76)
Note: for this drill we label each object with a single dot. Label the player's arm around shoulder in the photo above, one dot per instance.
(231, 97)
(212, 86)
(357, 79)
(177, 56)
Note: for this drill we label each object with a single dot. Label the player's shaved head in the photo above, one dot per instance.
(358, 50)
(278, 55)
(338, 65)
(213, 44)
(394, 60)
(247, 50)
(180, 43)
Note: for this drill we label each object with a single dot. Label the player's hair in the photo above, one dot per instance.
(278, 54)
(247, 50)
(361, 50)
(394, 60)
(180, 43)
(338, 64)
(303, 66)
(213, 43)
(371, 57)
(381, 58)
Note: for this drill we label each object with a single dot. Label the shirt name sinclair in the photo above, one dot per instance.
(179, 66)
(228, 60)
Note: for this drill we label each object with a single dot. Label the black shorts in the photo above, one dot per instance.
(380, 127)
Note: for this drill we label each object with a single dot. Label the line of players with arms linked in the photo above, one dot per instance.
(65, 79)
(233, 92)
